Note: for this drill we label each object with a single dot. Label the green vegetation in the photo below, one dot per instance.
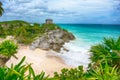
(72, 74)
(24, 32)
(104, 72)
(9, 27)
(106, 59)
(18, 72)
(8, 48)
(48, 27)
(14, 23)
(108, 51)
(1, 9)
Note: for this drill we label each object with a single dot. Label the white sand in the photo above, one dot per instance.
(40, 59)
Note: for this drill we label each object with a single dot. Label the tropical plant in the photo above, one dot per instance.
(26, 72)
(104, 72)
(108, 51)
(72, 74)
(26, 34)
(1, 9)
(8, 48)
(20, 72)
(2, 33)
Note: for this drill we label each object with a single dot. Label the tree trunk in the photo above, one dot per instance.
(3, 60)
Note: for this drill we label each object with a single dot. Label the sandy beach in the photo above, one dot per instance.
(41, 60)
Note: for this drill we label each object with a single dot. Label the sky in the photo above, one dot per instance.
(63, 11)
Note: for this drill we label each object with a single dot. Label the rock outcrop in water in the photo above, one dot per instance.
(53, 39)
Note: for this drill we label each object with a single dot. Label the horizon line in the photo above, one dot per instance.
(70, 23)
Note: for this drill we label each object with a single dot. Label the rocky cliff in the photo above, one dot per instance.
(53, 39)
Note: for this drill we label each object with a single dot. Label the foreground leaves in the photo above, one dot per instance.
(19, 72)
(72, 74)
(108, 51)
(104, 72)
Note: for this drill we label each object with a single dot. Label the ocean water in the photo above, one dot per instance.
(86, 36)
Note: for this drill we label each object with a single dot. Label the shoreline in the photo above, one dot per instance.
(41, 60)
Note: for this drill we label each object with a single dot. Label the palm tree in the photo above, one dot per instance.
(108, 51)
(1, 9)
(7, 49)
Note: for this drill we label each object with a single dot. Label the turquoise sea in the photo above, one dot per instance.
(86, 36)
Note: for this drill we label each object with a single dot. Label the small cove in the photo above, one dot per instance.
(86, 36)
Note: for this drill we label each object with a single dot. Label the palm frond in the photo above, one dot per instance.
(1, 9)
(108, 50)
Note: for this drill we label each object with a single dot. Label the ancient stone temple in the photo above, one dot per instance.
(49, 21)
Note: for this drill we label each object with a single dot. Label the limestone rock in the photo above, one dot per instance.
(53, 40)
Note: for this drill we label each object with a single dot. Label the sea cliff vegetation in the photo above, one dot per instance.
(23, 32)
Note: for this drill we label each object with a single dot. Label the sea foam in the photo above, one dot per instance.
(76, 55)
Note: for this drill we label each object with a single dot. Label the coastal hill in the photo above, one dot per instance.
(14, 23)
(45, 36)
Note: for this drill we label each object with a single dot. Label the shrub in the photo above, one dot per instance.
(49, 27)
(105, 60)
(72, 74)
(2, 33)
(26, 34)
(8, 48)
(36, 24)
(104, 72)
(23, 31)
(108, 51)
